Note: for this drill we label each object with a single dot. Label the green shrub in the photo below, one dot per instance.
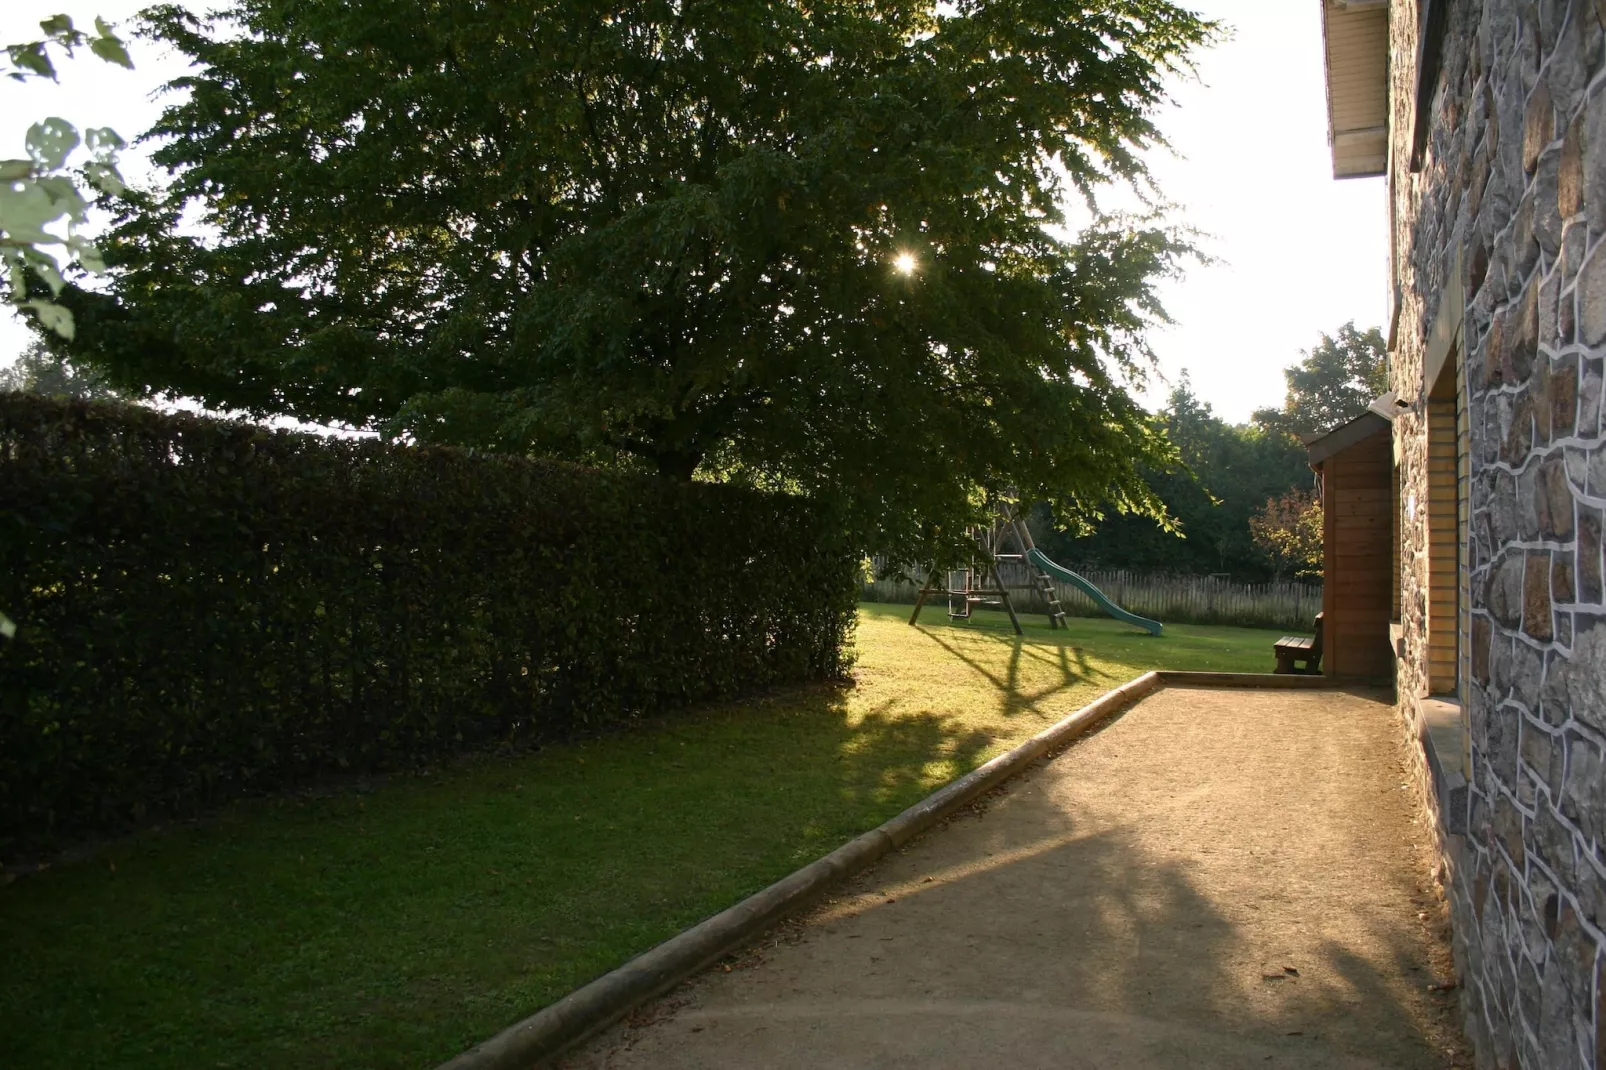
(207, 609)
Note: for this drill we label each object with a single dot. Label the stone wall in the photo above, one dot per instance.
(1504, 221)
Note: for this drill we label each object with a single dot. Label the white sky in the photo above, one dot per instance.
(1299, 252)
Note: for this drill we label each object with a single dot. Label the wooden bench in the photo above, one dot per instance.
(1293, 649)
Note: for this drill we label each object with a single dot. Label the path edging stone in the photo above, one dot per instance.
(591, 1008)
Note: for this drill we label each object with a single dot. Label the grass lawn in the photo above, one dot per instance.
(395, 927)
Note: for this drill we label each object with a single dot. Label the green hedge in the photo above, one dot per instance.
(207, 609)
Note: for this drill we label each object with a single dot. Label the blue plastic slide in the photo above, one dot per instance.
(1065, 575)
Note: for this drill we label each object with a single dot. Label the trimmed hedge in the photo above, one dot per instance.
(207, 609)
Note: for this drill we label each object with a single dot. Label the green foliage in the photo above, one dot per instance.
(39, 371)
(1230, 474)
(206, 608)
(32, 58)
(1228, 471)
(1288, 530)
(40, 191)
(668, 235)
(1332, 383)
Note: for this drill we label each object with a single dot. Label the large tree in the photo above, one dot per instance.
(814, 244)
(1331, 383)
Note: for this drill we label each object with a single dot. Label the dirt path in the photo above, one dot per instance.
(1217, 879)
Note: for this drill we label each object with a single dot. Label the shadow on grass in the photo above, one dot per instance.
(1012, 698)
(397, 927)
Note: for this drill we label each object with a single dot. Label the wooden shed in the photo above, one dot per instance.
(1355, 466)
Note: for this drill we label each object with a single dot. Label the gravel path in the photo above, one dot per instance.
(1217, 879)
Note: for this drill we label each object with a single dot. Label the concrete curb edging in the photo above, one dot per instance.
(1267, 680)
(587, 1010)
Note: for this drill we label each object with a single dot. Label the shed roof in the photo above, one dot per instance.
(1322, 445)
(1355, 35)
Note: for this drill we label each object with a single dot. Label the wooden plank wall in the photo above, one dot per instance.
(1357, 503)
(1444, 580)
(1463, 516)
(1397, 575)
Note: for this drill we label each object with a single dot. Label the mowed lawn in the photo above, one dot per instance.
(395, 927)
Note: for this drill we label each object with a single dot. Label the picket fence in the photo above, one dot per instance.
(1181, 599)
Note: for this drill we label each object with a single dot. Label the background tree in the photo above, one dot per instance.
(802, 244)
(1288, 530)
(1230, 475)
(1333, 383)
(1225, 473)
(39, 371)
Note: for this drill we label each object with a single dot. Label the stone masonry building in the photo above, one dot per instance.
(1488, 120)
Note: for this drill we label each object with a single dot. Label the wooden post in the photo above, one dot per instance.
(920, 601)
(1003, 593)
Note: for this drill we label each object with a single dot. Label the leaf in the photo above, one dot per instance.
(15, 274)
(88, 255)
(104, 177)
(8, 627)
(111, 50)
(31, 57)
(103, 141)
(58, 25)
(51, 141)
(52, 316)
(25, 212)
(44, 265)
(63, 192)
(12, 170)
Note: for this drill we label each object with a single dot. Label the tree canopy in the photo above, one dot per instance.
(814, 245)
(1226, 473)
(39, 371)
(1288, 530)
(1240, 493)
(1332, 383)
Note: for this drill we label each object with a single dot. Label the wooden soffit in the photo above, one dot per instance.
(1355, 36)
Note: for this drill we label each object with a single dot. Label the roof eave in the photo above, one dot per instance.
(1319, 448)
(1355, 48)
